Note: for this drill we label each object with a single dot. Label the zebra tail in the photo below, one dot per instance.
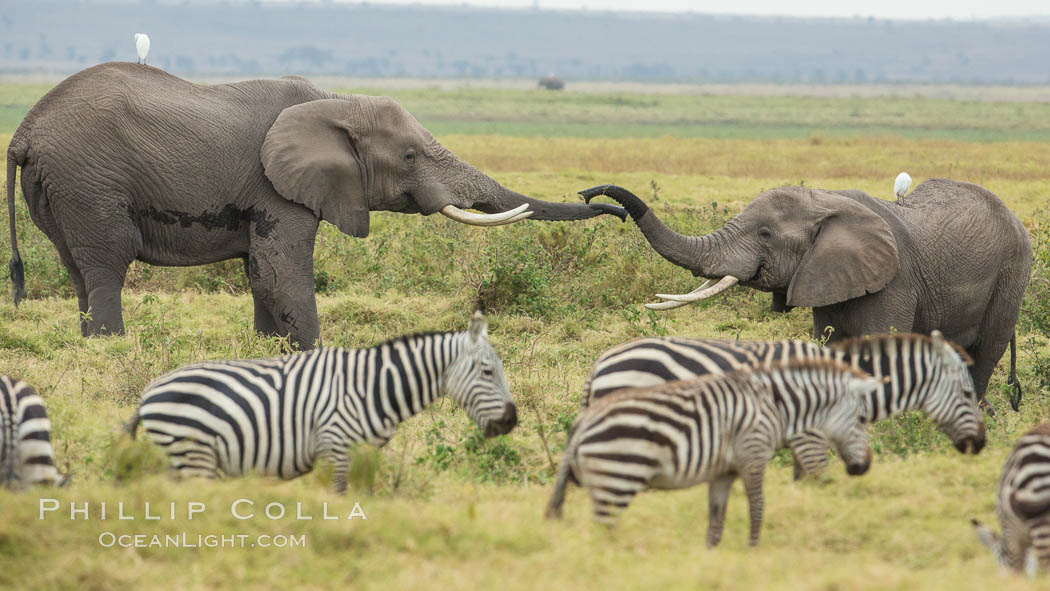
(1015, 397)
(560, 483)
(8, 457)
(133, 425)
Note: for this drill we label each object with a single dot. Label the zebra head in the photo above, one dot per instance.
(475, 381)
(843, 424)
(952, 399)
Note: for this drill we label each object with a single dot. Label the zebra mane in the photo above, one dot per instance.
(804, 364)
(903, 336)
(405, 338)
(1040, 429)
(742, 374)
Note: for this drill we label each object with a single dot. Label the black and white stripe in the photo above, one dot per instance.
(925, 373)
(711, 429)
(1023, 505)
(279, 416)
(26, 456)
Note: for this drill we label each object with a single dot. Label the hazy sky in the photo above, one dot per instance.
(898, 9)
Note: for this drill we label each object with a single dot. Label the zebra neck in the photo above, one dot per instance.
(904, 361)
(397, 379)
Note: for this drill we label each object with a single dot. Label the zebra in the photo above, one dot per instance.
(711, 429)
(1023, 506)
(278, 416)
(926, 373)
(26, 456)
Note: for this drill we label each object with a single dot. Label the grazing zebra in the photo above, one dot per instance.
(925, 373)
(1023, 506)
(278, 416)
(711, 429)
(26, 457)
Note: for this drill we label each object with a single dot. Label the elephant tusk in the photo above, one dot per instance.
(673, 305)
(701, 293)
(487, 219)
(665, 305)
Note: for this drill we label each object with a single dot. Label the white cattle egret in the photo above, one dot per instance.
(142, 46)
(900, 186)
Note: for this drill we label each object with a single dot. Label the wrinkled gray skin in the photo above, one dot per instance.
(950, 256)
(124, 162)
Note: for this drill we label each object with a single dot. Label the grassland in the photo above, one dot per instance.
(536, 113)
(448, 510)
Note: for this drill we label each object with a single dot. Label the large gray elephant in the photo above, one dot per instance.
(950, 257)
(124, 162)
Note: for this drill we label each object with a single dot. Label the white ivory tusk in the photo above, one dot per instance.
(673, 305)
(521, 216)
(701, 293)
(666, 305)
(486, 219)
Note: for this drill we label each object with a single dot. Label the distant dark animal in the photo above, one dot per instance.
(950, 257)
(1022, 504)
(711, 429)
(279, 416)
(552, 83)
(124, 162)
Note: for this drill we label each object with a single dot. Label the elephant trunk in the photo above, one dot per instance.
(703, 255)
(550, 212)
(685, 251)
(468, 188)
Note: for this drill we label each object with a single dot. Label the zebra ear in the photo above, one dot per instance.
(942, 345)
(479, 327)
(864, 386)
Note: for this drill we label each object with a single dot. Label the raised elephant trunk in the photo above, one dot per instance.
(690, 252)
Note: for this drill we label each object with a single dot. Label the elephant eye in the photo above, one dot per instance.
(764, 233)
(410, 155)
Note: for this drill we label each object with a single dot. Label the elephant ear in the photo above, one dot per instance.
(311, 158)
(852, 254)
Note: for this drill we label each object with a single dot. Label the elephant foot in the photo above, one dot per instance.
(986, 407)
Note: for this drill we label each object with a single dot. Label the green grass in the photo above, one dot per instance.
(448, 509)
(537, 113)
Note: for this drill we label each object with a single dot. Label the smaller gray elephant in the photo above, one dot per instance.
(950, 257)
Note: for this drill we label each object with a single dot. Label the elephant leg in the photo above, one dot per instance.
(103, 285)
(81, 290)
(993, 337)
(986, 354)
(282, 281)
(264, 322)
(46, 222)
(102, 244)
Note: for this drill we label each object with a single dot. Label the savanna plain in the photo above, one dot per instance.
(447, 509)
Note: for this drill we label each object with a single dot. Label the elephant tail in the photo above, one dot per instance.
(1015, 396)
(18, 274)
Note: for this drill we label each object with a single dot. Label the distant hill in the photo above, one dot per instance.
(205, 39)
